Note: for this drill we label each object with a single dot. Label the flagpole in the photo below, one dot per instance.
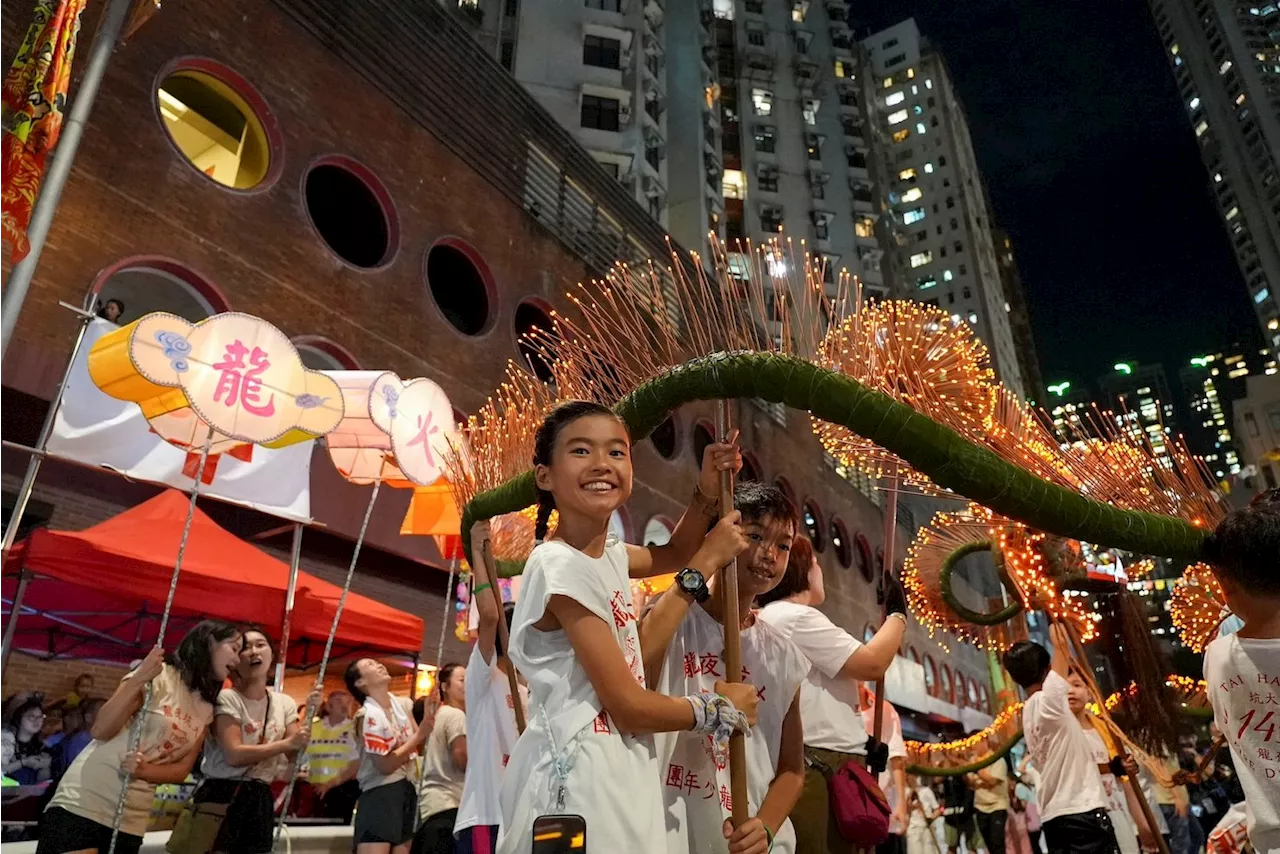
(64, 155)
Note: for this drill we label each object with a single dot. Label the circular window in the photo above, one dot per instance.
(665, 438)
(984, 699)
(321, 354)
(945, 684)
(862, 552)
(812, 519)
(840, 541)
(657, 531)
(461, 285)
(143, 284)
(702, 437)
(534, 331)
(351, 211)
(930, 675)
(750, 468)
(219, 124)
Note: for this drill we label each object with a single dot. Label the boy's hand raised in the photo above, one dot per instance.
(719, 457)
(723, 543)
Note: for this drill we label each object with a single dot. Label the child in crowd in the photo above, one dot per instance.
(588, 749)
(922, 809)
(683, 642)
(491, 721)
(1073, 804)
(1243, 669)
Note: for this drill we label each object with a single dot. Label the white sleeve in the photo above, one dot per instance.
(1054, 705)
(379, 737)
(897, 747)
(563, 572)
(826, 645)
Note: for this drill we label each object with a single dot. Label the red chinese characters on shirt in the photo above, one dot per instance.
(240, 383)
(621, 608)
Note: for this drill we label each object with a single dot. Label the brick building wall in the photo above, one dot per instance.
(131, 193)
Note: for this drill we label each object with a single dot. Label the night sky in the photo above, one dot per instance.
(1093, 170)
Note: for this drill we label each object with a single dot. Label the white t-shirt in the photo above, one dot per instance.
(442, 787)
(491, 735)
(828, 702)
(695, 783)
(926, 805)
(1111, 786)
(1243, 675)
(892, 735)
(994, 799)
(250, 715)
(173, 723)
(612, 777)
(380, 733)
(1069, 781)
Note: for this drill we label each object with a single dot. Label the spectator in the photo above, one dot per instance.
(26, 759)
(334, 757)
(184, 688)
(112, 311)
(256, 734)
(922, 808)
(444, 765)
(77, 726)
(991, 802)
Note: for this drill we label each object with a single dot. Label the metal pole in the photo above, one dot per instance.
(448, 600)
(295, 556)
(886, 572)
(328, 648)
(11, 627)
(135, 729)
(64, 155)
(732, 636)
(46, 430)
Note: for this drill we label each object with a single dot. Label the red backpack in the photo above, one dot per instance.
(860, 809)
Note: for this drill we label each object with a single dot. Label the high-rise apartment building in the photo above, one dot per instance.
(599, 68)
(1024, 341)
(1212, 384)
(937, 194)
(1226, 59)
(1141, 402)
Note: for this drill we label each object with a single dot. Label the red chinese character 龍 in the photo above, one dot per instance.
(690, 665)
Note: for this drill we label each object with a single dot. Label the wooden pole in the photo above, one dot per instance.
(504, 637)
(732, 640)
(886, 572)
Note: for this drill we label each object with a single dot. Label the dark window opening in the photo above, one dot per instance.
(458, 288)
(534, 330)
(348, 214)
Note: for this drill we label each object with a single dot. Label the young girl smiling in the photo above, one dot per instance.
(588, 749)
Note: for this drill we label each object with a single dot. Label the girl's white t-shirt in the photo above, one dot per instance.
(695, 782)
(276, 709)
(491, 736)
(1110, 785)
(380, 733)
(1243, 676)
(926, 804)
(612, 777)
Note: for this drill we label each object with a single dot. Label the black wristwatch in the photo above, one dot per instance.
(691, 582)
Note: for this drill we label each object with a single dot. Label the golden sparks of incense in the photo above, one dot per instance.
(1197, 607)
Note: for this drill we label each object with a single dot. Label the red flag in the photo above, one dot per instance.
(33, 99)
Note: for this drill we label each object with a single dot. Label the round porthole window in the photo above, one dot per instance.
(352, 212)
(534, 331)
(665, 438)
(461, 286)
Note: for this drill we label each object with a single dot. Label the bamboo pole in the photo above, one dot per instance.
(732, 639)
(504, 637)
(886, 572)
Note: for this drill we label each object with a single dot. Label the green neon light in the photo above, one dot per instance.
(1202, 361)
(1060, 389)
(1124, 367)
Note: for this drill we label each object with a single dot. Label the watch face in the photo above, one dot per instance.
(689, 579)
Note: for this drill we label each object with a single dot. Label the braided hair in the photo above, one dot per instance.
(544, 443)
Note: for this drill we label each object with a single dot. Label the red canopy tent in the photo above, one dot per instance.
(99, 593)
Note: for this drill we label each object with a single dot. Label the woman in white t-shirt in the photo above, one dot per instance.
(388, 807)
(444, 764)
(256, 734)
(589, 749)
(833, 729)
(922, 809)
(81, 814)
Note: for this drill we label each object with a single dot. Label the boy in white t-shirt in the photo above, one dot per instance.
(1243, 669)
(1073, 804)
(683, 642)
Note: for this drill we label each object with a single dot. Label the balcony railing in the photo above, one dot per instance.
(425, 62)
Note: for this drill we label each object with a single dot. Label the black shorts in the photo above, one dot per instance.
(1081, 833)
(61, 831)
(250, 822)
(386, 814)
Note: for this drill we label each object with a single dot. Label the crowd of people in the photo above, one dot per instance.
(630, 712)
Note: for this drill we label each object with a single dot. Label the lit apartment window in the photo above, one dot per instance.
(1194, 103)
(821, 226)
(912, 195)
(901, 136)
(895, 98)
(907, 174)
(601, 52)
(1201, 128)
(947, 275)
(843, 69)
(898, 117)
(1224, 67)
(912, 216)
(921, 258)
(765, 138)
(926, 282)
(734, 184)
(864, 226)
(920, 128)
(811, 106)
(1233, 213)
(928, 83)
(763, 101)
(799, 8)
(1261, 296)
(813, 143)
(928, 168)
(600, 113)
(888, 83)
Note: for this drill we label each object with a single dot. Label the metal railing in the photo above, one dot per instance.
(426, 62)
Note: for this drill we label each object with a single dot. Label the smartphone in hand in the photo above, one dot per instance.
(559, 834)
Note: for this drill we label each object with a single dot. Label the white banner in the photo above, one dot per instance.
(94, 428)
